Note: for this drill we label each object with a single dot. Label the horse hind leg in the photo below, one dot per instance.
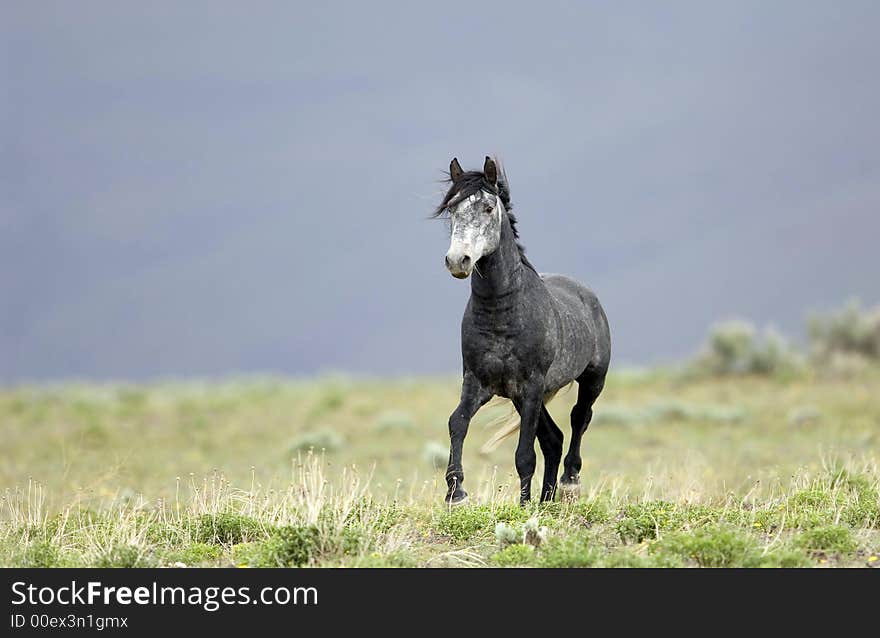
(550, 440)
(590, 384)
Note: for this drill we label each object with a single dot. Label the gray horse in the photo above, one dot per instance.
(524, 335)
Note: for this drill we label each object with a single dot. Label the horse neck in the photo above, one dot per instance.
(500, 274)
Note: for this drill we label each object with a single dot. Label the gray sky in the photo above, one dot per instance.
(242, 187)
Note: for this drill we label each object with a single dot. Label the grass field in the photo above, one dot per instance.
(678, 471)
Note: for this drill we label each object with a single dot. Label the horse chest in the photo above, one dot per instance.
(500, 365)
(505, 343)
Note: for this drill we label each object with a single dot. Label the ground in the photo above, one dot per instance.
(679, 470)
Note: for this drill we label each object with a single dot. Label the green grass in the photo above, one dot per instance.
(679, 471)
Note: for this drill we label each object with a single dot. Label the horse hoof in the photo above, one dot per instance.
(457, 499)
(569, 492)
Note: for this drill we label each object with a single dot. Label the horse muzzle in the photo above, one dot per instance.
(460, 265)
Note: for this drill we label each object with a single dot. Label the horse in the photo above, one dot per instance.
(524, 335)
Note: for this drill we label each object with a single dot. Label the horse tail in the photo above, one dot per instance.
(507, 424)
(504, 426)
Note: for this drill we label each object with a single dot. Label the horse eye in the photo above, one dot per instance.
(487, 208)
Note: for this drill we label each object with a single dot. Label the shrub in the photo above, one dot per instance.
(378, 518)
(41, 554)
(325, 439)
(711, 547)
(571, 551)
(642, 521)
(729, 348)
(395, 421)
(510, 513)
(331, 399)
(623, 559)
(788, 558)
(195, 554)
(735, 347)
(506, 534)
(829, 538)
(811, 498)
(773, 356)
(628, 559)
(463, 523)
(849, 331)
(591, 512)
(394, 559)
(225, 528)
(122, 555)
(514, 556)
(863, 510)
(291, 546)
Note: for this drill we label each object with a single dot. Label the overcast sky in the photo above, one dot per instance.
(221, 188)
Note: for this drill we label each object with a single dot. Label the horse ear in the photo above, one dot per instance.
(490, 170)
(455, 169)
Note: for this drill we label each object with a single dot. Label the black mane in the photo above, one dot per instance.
(472, 182)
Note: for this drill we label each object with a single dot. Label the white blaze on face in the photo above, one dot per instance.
(467, 236)
(476, 232)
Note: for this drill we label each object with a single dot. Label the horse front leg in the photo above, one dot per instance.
(473, 397)
(529, 407)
